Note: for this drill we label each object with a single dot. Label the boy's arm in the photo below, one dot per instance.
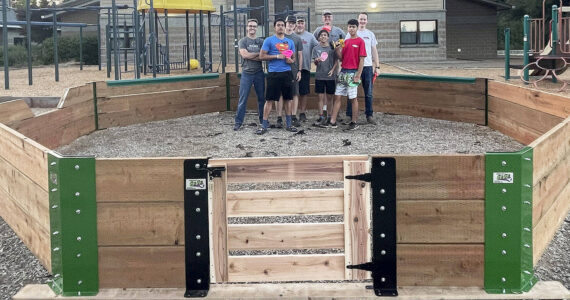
(247, 55)
(264, 56)
(356, 77)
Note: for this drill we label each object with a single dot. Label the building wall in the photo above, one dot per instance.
(379, 6)
(88, 17)
(471, 30)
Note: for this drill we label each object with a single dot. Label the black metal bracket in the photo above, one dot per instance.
(383, 265)
(196, 227)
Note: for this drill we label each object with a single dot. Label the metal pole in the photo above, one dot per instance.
(152, 38)
(266, 21)
(167, 36)
(223, 36)
(507, 53)
(137, 40)
(236, 37)
(187, 43)
(554, 29)
(526, 46)
(115, 40)
(244, 25)
(308, 20)
(29, 41)
(202, 46)
(195, 39)
(99, 39)
(80, 48)
(125, 41)
(55, 56)
(5, 43)
(210, 40)
(143, 43)
(108, 47)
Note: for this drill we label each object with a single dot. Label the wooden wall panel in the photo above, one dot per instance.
(103, 90)
(14, 110)
(550, 149)
(75, 95)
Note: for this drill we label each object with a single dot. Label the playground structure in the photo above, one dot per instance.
(454, 220)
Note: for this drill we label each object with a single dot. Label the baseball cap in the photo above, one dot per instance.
(291, 19)
(300, 19)
(327, 12)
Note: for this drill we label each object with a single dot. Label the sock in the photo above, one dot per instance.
(288, 120)
(265, 124)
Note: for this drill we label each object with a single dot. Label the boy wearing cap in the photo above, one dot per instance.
(276, 49)
(290, 23)
(352, 56)
(309, 42)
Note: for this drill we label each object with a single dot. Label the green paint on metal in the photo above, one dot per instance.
(73, 225)
(95, 109)
(228, 92)
(469, 80)
(508, 222)
(158, 80)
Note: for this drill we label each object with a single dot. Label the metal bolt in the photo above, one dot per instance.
(198, 237)
(198, 254)
(383, 252)
(55, 249)
(527, 272)
(503, 279)
(382, 208)
(54, 190)
(504, 252)
(77, 194)
(504, 235)
(503, 208)
(197, 209)
(56, 275)
(527, 202)
(382, 235)
(197, 166)
(527, 185)
(526, 229)
(55, 232)
(197, 193)
(53, 163)
(79, 282)
(79, 239)
(54, 206)
(382, 191)
(526, 158)
(383, 279)
(504, 190)
(382, 163)
(78, 255)
(503, 163)
(527, 245)
(76, 167)
(199, 280)
(78, 211)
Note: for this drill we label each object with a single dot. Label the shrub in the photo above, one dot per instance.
(68, 50)
(17, 56)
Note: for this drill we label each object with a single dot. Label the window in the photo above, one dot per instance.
(418, 32)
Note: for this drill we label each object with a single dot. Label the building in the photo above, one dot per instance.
(15, 36)
(89, 17)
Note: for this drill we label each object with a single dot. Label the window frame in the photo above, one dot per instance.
(418, 32)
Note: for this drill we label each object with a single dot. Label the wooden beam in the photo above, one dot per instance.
(267, 268)
(285, 202)
(285, 236)
(75, 95)
(219, 229)
(279, 169)
(356, 219)
(545, 192)
(139, 179)
(109, 91)
(14, 110)
(542, 101)
(24, 154)
(550, 149)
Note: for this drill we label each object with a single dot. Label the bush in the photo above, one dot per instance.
(68, 50)
(17, 56)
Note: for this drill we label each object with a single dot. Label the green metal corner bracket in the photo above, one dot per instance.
(508, 222)
(73, 225)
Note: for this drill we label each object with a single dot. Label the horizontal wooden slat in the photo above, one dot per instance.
(266, 268)
(14, 110)
(537, 100)
(285, 236)
(457, 114)
(436, 177)
(305, 168)
(140, 224)
(550, 149)
(28, 195)
(140, 108)
(139, 179)
(30, 232)
(26, 155)
(285, 202)
(75, 95)
(440, 221)
(107, 91)
(545, 192)
(59, 127)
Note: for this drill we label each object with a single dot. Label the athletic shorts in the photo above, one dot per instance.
(279, 84)
(304, 83)
(342, 87)
(325, 85)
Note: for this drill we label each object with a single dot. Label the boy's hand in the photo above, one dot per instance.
(331, 72)
(356, 77)
(288, 60)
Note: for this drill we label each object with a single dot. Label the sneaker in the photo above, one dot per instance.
(319, 121)
(291, 129)
(352, 126)
(237, 127)
(261, 131)
(295, 122)
(346, 121)
(279, 123)
(302, 117)
(370, 120)
(328, 121)
(332, 125)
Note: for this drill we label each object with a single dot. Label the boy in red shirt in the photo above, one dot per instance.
(352, 55)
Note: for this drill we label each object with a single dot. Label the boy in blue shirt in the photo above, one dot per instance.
(278, 50)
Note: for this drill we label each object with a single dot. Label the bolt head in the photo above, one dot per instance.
(382, 235)
(197, 209)
(503, 163)
(382, 163)
(79, 282)
(503, 279)
(198, 254)
(199, 280)
(197, 166)
(382, 208)
(503, 208)
(383, 279)
(79, 239)
(383, 252)
(504, 191)
(503, 235)
(198, 237)
(197, 193)
(78, 255)
(76, 167)
(78, 211)
(504, 252)
(382, 191)
(77, 194)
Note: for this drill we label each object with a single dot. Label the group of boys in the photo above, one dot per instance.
(289, 54)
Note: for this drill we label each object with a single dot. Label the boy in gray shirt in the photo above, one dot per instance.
(309, 42)
(326, 60)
